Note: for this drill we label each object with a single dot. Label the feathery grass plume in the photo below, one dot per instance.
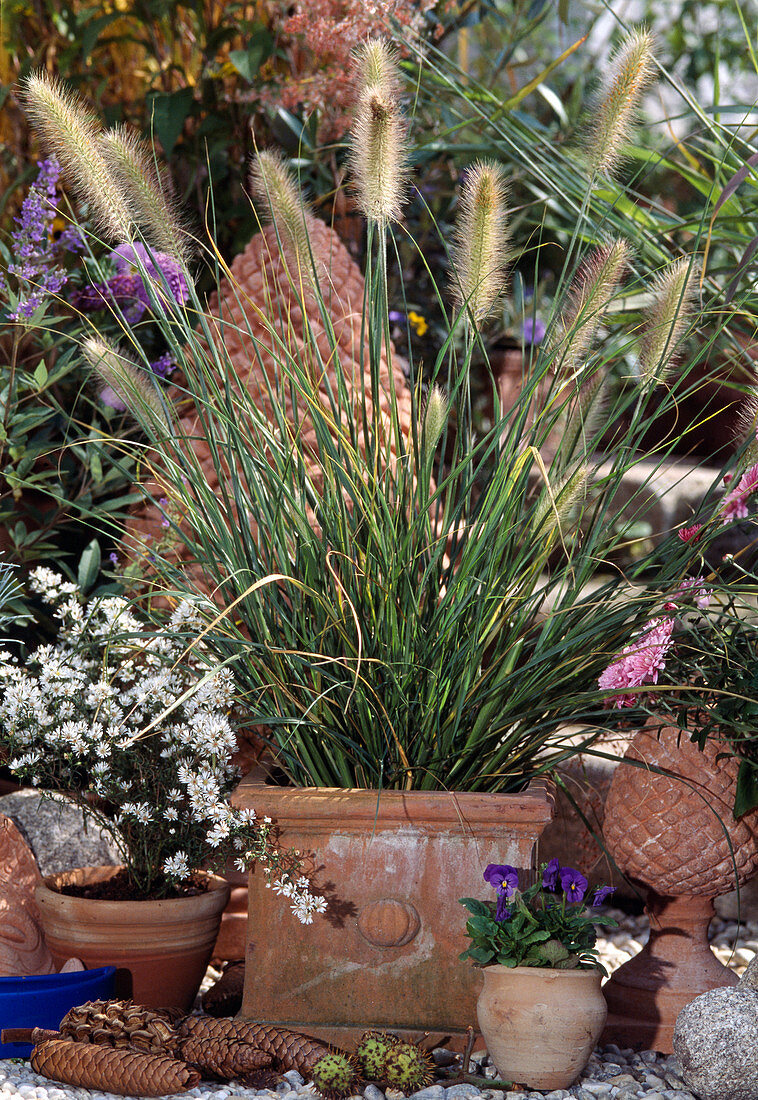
(72, 133)
(593, 287)
(746, 428)
(673, 300)
(275, 188)
(378, 151)
(556, 505)
(584, 419)
(128, 382)
(435, 419)
(132, 165)
(480, 252)
(629, 72)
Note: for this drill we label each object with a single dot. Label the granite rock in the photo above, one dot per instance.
(56, 832)
(715, 1041)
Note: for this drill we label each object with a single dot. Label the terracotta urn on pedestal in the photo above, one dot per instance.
(677, 839)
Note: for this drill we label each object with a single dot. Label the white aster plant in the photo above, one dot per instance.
(135, 727)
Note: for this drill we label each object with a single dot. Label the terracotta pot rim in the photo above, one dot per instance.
(383, 808)
(216, 884)
(588, 972)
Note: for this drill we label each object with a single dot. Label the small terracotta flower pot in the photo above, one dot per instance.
(161, 948)
(540, 1025)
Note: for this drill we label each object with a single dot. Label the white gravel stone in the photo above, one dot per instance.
(371, 1092)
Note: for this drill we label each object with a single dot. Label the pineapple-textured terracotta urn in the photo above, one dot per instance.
(676, 838)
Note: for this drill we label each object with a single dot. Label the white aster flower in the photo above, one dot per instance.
(177, 866)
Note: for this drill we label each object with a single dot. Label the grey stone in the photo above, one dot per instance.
(56, 832)
(295, 1079)
(432, 1092)
(714, 1040)
(441, 1056)
(557, 1094)
(493, 1094)
(678, 1094)
(371, 1092)
(597, 1088)
(461, 1092)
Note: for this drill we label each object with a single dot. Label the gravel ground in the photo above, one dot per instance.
(612, 1073)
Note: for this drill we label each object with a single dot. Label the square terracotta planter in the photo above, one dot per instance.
(392, 865)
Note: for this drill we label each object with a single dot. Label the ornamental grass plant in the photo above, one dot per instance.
(405, 602)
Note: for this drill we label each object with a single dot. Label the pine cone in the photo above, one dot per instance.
(119, 1071)
(288, 1049)
(223, 1058)
(225, 997)
(122, 1024)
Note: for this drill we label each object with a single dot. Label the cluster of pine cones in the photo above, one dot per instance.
(120, 1047)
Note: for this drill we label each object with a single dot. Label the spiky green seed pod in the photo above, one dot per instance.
(335, 1075)
(372, 1051)
(407, 1067)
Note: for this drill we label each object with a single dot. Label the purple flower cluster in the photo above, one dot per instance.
(555, 880)
(35, 252)
(161, 366)
(127, 289)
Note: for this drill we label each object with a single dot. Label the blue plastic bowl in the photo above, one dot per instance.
(44, 999)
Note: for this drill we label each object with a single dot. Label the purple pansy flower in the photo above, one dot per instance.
(503, 877)
(550, 875)
(601, 894)
(574, 884)
(502, 912)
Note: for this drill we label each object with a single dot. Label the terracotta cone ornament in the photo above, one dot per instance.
(678, 840)
(258, 317)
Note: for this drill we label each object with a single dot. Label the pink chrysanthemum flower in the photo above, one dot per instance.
(638, 663)
(735, 502)
(691, 534)
(694, 589)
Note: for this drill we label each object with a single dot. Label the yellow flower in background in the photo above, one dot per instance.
(418, 322)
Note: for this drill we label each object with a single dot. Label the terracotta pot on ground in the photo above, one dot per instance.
(392, 866)
(161, 948)
(677, 838)
(540, 1025)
